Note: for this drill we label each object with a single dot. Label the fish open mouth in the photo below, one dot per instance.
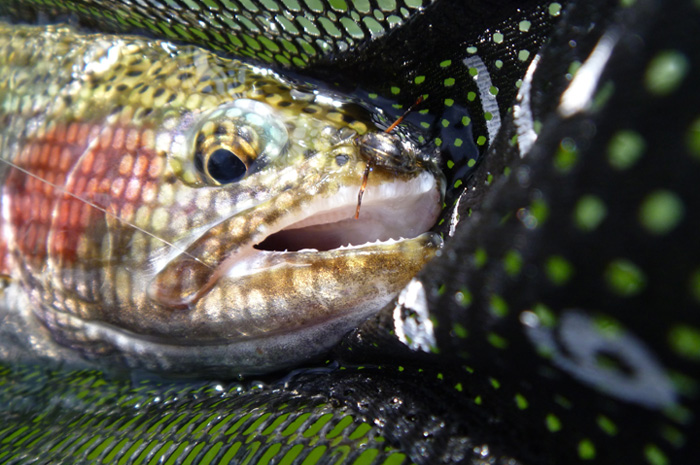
(395, 211)
(391, 211)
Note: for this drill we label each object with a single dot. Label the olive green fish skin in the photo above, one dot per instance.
(122, 234)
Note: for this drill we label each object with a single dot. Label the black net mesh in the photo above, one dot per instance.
(285, 32)
(87, 418)
(560, 324)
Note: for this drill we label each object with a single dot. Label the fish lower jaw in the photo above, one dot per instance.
(391, 212)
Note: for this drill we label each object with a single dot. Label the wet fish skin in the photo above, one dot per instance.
(119, 241)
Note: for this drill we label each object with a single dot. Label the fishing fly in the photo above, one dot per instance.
(380, 149)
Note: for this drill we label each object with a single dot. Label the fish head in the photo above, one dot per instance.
(276, 247)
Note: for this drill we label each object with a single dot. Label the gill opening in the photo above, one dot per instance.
(103, 210)
(370, 163)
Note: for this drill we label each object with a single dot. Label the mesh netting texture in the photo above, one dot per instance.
(560, 323)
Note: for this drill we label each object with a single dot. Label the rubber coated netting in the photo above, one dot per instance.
(560, 323)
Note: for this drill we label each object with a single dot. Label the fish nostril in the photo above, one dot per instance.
(341, 159)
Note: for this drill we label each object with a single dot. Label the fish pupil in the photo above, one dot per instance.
(225, 167)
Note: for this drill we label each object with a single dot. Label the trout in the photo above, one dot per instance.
(185, 212)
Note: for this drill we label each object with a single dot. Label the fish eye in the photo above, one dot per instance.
(222, 166)
(234, 140)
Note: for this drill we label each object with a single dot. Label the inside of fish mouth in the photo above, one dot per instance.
(331, 230)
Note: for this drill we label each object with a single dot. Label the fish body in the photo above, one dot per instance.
(189, 212)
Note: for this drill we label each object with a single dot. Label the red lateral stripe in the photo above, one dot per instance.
(106, 166)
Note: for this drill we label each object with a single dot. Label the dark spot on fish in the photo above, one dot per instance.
(172, 97)
(143, 89)
(134, 72)
(119, 67)
(116, 109)
(68, 99)
(183, 76)
(309, 153)
(284, 103)
(108, 87)
(122, 87)
(205, 78)
(147, 111)
(207, 90)
(157, 71)
(200, 139)
(309, 110)
(160, 91)
(220, 130)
